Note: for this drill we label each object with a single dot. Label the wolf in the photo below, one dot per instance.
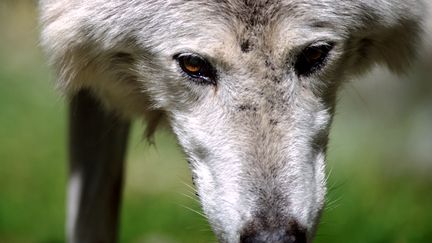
(248, 87)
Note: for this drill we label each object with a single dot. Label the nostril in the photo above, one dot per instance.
(273, 236)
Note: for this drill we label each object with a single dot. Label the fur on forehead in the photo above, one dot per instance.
(345, 15)
(382, 32)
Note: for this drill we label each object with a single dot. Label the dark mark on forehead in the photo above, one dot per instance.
(247, 107)
(258, 12)
(245, 46)
(253, 16)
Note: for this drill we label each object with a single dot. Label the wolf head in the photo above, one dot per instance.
(248, 87)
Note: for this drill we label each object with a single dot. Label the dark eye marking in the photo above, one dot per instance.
(196, 68)
(312, 59)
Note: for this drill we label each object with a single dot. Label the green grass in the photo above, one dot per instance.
(374, 206)
(377, 194)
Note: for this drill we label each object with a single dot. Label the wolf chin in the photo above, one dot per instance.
(248, 87)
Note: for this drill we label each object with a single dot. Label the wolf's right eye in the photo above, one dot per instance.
(196, 68)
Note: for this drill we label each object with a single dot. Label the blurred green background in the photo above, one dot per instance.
(379, 162)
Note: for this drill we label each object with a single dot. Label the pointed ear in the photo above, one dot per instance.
(389, 34)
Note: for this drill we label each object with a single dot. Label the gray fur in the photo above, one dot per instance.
(257, 140)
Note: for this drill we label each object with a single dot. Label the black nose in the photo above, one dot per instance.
(294, 235)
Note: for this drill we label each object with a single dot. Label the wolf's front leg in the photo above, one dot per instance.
(98, 140)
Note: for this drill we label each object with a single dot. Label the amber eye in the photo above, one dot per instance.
(196, 68)
(312, 59)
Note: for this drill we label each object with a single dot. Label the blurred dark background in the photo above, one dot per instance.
(379, 162)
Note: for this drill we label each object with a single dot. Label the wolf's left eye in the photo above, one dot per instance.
(312, 59)
(196, 68)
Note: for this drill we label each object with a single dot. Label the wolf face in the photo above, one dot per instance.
(248, 87)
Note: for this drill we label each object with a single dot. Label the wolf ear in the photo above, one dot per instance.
(389, 34)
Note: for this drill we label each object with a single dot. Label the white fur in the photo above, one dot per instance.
(74, 198)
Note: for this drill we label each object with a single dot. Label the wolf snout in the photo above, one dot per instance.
(291, 234)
